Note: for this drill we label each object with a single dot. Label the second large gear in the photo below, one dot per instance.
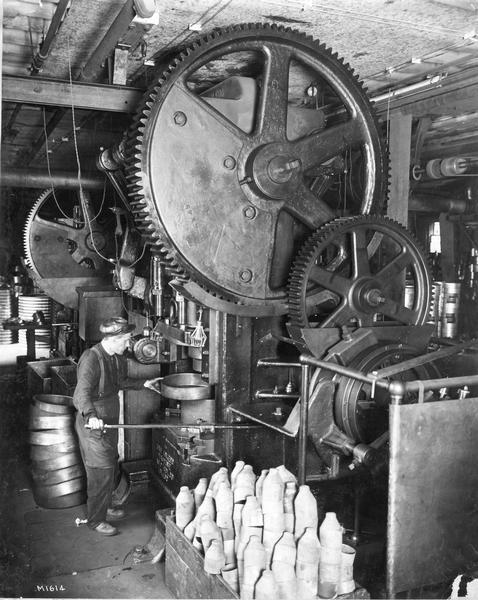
(242, 148)
(354, 272)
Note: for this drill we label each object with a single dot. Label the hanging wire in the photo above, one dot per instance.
(75, 141)
(49, 168)
(362, 16)
(202, 19)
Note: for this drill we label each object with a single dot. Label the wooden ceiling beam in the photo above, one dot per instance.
(451, 95)
(50, 92)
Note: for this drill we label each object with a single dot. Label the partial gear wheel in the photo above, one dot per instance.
(353, 272)
(63, 250)
(228, 175)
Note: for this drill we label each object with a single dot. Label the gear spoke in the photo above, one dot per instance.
(309, 209)
(330, 280)
(320, 147)
(395, 267)
(340, 316)
(360, 253)
(319, 298)
(394, 310)
(207, 117)
(54, 226)
(273, 100)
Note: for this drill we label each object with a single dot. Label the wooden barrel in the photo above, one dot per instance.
(58, 474)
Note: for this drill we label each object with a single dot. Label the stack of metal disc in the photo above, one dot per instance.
(6, 337)
(59, 479)
(28, 305)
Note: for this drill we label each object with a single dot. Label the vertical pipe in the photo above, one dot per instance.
(303, 426)
(62, 8)
(1, 95)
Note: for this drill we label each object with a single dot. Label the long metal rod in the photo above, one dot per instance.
(272, 396)
(179, 426)
(60, 13)
(304, 417)
(426, 358)
(29, 178)
(436, 384)
(273, 362)
(347, 371)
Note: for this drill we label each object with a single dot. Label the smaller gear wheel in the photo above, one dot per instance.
(353, 272)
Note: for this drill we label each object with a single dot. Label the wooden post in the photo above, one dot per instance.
(400, 147)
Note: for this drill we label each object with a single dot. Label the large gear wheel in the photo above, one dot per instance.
(62, 249)
(228, 175)
(354, 271)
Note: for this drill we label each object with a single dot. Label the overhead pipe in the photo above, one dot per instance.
(20, 178)
(438, 204)
(40, 57)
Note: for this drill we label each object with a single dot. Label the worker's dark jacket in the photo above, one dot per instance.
(100, 377)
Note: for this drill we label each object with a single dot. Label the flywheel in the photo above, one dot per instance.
(63, 249)
(243, 147)
(354, 272)
(360, 413)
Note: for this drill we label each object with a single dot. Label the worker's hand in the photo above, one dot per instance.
(95, 423)
(149, 383)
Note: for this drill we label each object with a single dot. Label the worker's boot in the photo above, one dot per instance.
(106, 529)
(115, 514)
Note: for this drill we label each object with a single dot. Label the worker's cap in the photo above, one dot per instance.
(116, 326)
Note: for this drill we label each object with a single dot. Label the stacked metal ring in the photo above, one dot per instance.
(57, 469)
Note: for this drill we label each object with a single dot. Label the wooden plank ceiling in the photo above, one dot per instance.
(391, 44)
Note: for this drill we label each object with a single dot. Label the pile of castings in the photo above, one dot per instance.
(262, 535)
(59, 479)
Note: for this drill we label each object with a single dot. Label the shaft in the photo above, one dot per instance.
(179, 426)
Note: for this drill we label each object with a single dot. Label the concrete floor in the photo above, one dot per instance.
(43, 553)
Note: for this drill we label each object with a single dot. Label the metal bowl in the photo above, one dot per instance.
(185, 386)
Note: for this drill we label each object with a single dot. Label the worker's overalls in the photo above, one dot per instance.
(99, 449)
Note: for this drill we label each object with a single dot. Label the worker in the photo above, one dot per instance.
(101, 374)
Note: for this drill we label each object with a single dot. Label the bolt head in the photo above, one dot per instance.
(249, 212)
(245, 275)
(229, 162)
(180, 118)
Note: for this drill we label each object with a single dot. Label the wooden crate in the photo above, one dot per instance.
(185, 576)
